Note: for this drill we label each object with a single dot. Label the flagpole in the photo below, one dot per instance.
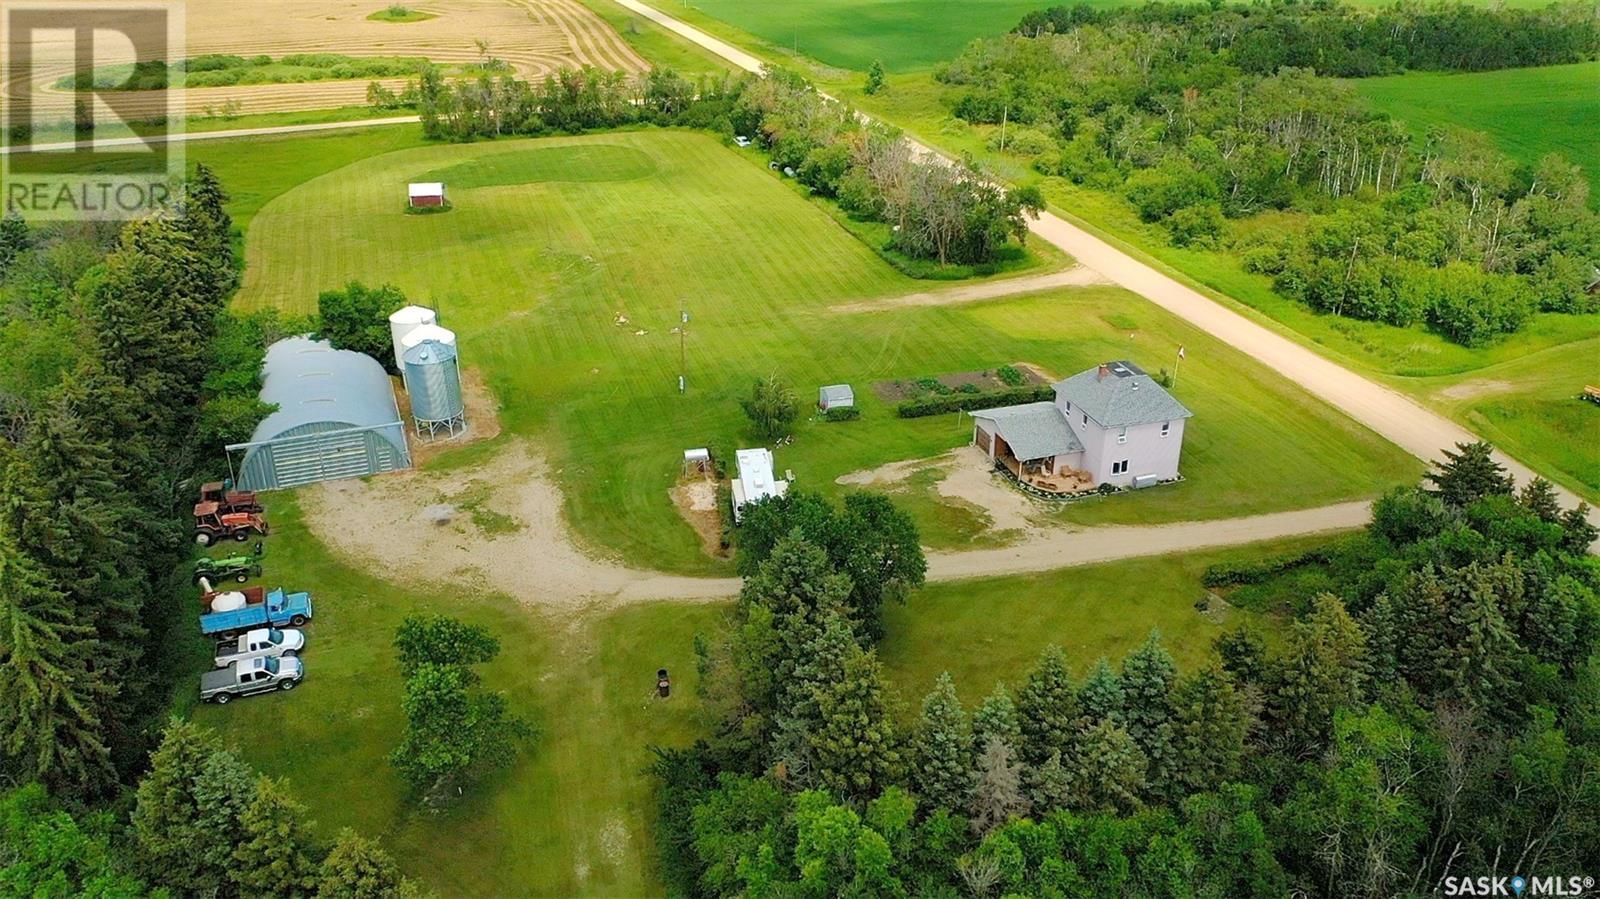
(1175, 363)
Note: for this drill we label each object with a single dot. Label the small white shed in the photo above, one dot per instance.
(425, 193)
(836, 396)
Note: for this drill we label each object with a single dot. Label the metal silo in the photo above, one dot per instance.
(433, 381)
(403, 322)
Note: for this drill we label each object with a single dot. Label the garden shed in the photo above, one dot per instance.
(336, 418)
(425, 194)
(838, 396)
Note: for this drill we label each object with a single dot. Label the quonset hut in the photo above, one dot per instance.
(336, 418)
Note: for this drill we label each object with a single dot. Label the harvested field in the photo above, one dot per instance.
(533, 36)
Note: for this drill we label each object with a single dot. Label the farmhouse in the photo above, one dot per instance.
(1112, 424)
(756, 481)
(425, 194)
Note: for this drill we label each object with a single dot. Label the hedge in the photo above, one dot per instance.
(1229, 574)
(966, 402)
(842, 413)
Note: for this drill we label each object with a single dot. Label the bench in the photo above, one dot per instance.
(1591, 393)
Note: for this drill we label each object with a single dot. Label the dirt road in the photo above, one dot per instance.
(1076, 276)
(499, 527)
(1400, 419)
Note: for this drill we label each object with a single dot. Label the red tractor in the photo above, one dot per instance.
(212, 523)
(228, 499)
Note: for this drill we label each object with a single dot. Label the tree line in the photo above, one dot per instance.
(1434, 712)
(1349, 42)
(122, 377)
(945, 213)
(1193, 133)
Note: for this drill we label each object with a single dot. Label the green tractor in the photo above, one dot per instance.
(241, 567)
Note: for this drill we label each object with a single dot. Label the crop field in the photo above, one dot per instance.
(533, 37)
(572, 816)
(565, 264)
(1528, 112)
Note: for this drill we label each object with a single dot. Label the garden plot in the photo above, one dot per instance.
(533, 37)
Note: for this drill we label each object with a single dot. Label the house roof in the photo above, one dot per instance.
(1120, 394)
(1033, 430)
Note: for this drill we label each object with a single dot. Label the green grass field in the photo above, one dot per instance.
(1528, 112)
(573, 816)
(549, 242)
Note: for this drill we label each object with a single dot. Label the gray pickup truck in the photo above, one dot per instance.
(250, 676)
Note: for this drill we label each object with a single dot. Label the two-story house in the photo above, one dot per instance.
(1112, 424)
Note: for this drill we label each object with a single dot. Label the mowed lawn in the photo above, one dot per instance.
(574, 815)
(1528, 112)
(564, 266)
(570, 818)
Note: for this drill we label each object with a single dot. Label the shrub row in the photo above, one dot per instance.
(965, 402)
(1230, 574)
(842, 413)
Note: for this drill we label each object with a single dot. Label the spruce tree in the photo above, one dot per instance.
(1051, 786)
(997, 794)
(1210, 724)
(1481, 668)
(996, 719)
(1101, 694)
(272, 858)
(943, 753)
(1325, 669)
(853, 749)
(1580, 533)
(1047, 708)
(49, 693)
(799, 717)
(186, 817)
(1468, 474)
(1539, 497)
(1148, 674)
(208, 222)
(1109, 769)
(357, 868)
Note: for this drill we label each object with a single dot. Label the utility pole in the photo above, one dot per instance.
(683, 349)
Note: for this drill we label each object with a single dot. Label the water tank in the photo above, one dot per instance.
(231, 601)
(433, 382)
(403, 322)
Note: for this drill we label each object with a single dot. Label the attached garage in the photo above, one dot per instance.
(336, 418)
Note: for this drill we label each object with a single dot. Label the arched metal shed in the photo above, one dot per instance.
(336, 418)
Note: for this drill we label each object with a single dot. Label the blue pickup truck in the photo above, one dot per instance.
(278, 609)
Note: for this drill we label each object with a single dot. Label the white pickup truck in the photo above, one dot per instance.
(261, 643)
(250, 676)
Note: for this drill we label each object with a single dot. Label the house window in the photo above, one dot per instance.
(1085, 418)
(1166, 428)
(1122, 436)
(1119, 467)
(1068, 406)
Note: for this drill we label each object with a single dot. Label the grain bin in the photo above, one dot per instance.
(433, 381)
(425, 332)
(403, 322)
